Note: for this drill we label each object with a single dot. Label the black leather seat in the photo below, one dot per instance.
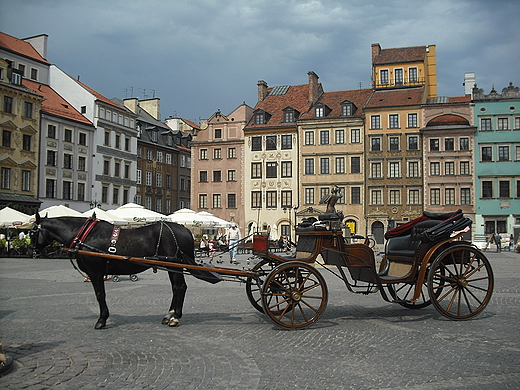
(407, 246)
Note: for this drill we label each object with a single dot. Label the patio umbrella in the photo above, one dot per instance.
(105, 216)
(190, 218)
(11, 218)
(59, 211)
(218, 222)
(135, 213)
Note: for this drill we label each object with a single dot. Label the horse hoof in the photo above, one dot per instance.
(100, 325)
(165, 321)
(173, 322)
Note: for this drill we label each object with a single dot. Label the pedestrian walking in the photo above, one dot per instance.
(233, 237)
(498, 240)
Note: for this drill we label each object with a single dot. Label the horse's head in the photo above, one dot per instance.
(40, 235)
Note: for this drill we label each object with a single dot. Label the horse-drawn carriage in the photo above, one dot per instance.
(425, 262)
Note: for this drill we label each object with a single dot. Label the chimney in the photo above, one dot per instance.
(376, 50)
(313, 87)
(262, 90)
(152, 107)
(469, 82)
(39, 42)
(131, 104)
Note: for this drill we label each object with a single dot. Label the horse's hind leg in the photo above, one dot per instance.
(99, 288)
(179, 288)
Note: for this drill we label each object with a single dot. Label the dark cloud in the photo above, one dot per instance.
(199, 56)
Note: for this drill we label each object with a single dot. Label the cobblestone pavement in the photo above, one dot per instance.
(47, 316)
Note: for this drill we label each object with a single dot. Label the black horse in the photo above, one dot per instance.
(167, 241)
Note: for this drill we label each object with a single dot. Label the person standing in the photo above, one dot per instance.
(498, 240)
(233, 237)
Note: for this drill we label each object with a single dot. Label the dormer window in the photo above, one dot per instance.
(154, 136)
(321, 110)
(348, 108)
(290, 115)
(261, 117)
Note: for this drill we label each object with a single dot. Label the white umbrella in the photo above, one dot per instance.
(135, 213)
(105, 216)
(219, 222)
(11, 218)
(59, 211)
(189, 218)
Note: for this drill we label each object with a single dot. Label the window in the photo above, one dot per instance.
(6, 138)
(413, 169)
(324, 137)
(434, 144)
(270, 199)
(309, 138)
(339, 164)
(435, 196)
(127, 171)
(217, 201)
(503, 153)
(504, 189)
(319, 112)
(217, 154)
(217, 176)
(232, 153)
(81, 192)
(324, 165)
(148, 202)
(464, 143)
(398, 74)
(413, 197)
(231, 175)
(412, 75)
(449, 168)
(355, 136)
(67, 135)
(6, 178)
(502, 124)
(394, 144)
(465, 196)
(82, 139)
(517, 123)
(117, 169)
(232, 201)
(26, 180)
(270, 142)
(159, 156)
(256, 143)
(384, 76)
(115, 196)
(8, 104)
(271, 170)
(393, 121)
(375, 144)
(435, 168)
(449, 194)
(203, 201)
(309, 166)
(106, 167)
(413, 142)
(395, 197)
(339, 136)
(50, 188)
(376, 197)
(107, 138)
(355, 195)
(324, 192)
(138, 177)
(449, 144)
(149, 155)
(375, 170)
(286, 142)
(394, 169)
(487, 189)
(355, 164)
(26, 142)
(309, 196)
(485, 124)
(158, 205)
(464, 168)
(256, 170)
(256, 199)
(375, 122)
(148, 178)
(286, 169)
(168, 158)
(259, 118)
(51, 131)
(487, 153)
(27, 110)
(158, 180)
(218, 133)
(288, 116)
(203, 154)
(286, 199)
(67, 161)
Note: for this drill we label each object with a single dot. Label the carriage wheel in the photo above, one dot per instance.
(253, 290)
(403, 292)
(294, 295)
(134, 278)
(460, 282)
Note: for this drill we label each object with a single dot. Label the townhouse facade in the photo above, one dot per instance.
(497, 161)
(218, 165)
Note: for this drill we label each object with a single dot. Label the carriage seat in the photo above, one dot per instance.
(407, 246)
(331, 216)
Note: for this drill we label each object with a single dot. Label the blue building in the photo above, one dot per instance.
(497, 162)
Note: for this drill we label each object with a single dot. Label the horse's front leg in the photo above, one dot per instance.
(179, 288)
(99, 288)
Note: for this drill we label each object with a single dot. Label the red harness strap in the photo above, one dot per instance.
(83, 232)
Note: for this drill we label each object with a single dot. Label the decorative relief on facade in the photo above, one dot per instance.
(67, 174)
(67, 147)
(82, 150)
(52, 144)
(50, 172)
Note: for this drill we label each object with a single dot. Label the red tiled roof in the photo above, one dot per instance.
(297, 97)
(334, 99)
(448, 119)
(400, 54)
(54, 104)
(19, 46)
(192, 124)
(460, 99)
(98, 95)
(396, 97)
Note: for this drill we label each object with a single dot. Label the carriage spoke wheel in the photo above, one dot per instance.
(294, 295)
(402, 293)
(253, 290)
(460, 282)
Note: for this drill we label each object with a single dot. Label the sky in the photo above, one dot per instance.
(200, 56)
